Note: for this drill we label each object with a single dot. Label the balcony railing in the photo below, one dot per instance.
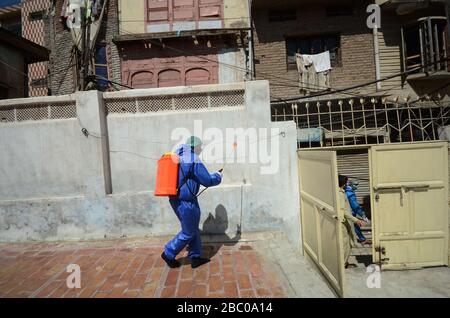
(425, 46)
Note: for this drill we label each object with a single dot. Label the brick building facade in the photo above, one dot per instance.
(275, 25)
(182, 43)
(63, 74)
(34, 13)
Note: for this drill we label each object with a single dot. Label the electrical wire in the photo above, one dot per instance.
(72, 54)
(25, 74)
(250, 142)
(108, 80)
(330, 89)
(235, 67)
(13, 68)
(367, 83)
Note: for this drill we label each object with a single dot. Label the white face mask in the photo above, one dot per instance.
(354, 185)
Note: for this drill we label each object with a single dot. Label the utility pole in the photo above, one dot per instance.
(83, 47)
(87, 49)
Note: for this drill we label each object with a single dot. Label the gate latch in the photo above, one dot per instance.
(380, 249)
(377, 196)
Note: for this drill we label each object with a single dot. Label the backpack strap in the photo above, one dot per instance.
(186, 178)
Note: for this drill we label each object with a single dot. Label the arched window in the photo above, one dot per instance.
(142, 79)
(168, 78)
(197, 76)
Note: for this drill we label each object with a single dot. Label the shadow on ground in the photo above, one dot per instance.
(364, 259)
(215, 228)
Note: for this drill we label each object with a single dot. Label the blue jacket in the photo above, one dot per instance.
(356, 208)
(192, 168)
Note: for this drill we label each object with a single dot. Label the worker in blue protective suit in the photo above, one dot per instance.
(192, 173)
(357, 211)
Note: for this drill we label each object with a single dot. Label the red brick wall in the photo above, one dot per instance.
(357, 57)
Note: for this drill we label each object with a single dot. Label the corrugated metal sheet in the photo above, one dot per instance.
(355, 164)
(389, 40)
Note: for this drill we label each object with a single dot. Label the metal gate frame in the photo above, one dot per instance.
(322, 216)
(341, 288)
(377, 250)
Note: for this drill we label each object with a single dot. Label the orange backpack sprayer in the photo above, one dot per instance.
(167, 175)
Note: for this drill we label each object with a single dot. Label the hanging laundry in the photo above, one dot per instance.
(312, 80)
(307, 72)
(303, 62)
(322, 61)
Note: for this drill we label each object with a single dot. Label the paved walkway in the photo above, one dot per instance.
(421, 283)
(133, 268)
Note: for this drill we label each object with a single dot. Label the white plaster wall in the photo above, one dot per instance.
(40, 159)
(87, 199)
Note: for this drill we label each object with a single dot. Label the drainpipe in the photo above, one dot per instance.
(377, 56)
(250, 43)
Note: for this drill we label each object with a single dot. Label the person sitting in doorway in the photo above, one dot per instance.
(348, 222)
(357, 211)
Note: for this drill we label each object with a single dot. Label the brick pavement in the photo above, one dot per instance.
(125, 268)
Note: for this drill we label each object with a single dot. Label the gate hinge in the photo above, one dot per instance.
(381, 250)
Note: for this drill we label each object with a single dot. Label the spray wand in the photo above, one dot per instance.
(224, 164)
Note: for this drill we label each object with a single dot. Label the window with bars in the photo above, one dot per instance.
(424, 45)
(36, 16)
(39, 82)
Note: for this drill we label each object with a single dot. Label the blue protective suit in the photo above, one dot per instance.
(185, 204)
(356, 210)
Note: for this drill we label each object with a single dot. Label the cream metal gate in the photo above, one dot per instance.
(321, 218)
(409, 194)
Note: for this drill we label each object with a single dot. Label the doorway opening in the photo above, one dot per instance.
(354, 164)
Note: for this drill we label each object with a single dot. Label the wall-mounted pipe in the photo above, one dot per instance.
(377, 56)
